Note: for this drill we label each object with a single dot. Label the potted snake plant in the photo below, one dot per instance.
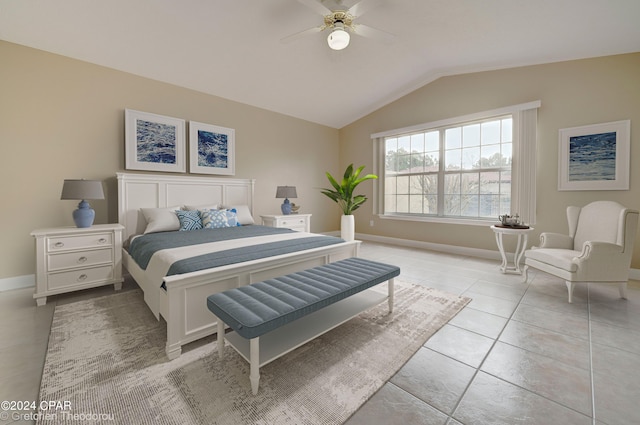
(342, 193)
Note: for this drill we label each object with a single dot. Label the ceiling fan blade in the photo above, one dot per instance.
(363, 6)
(319, 8)
(301, 34)
(370, 32)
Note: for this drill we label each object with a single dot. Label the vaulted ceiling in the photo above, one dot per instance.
(234, 49)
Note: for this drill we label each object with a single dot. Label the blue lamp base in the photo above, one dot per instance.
(286, 207)
(84, 215)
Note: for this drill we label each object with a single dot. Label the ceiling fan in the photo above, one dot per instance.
(340, 22)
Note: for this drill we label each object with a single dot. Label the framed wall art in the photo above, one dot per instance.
(595, 157)
(154, 142)
(211, 149)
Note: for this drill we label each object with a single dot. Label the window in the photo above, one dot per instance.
(455, 171)
(459, 169)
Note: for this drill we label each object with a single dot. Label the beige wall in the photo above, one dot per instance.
(61, 118)
(573, 93)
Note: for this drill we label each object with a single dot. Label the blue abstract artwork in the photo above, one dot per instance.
(155, 142)
(592, 157)
(213, 149)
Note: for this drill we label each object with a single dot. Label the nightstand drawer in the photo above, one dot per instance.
(297, 222)
(292, 222)
(80, 258)
(79, 277)
(63, 243)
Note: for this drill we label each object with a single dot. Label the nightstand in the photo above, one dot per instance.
(297, 222)
(70, 258)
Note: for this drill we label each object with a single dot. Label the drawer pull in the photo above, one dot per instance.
(82, 277)
(58, 245)
(284, 222)
(102, 240)
(82, 259)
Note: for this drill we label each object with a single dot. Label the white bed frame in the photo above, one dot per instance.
(183, 303)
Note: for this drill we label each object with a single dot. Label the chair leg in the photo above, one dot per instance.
(570, 286)
(623, 290)
(525, 275)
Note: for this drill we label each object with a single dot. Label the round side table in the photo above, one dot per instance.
(523, 236)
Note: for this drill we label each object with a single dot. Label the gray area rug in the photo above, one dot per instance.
(106, 358)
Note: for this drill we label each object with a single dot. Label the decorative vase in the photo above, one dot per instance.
(286, 207)
(84, 215)
(347, 228)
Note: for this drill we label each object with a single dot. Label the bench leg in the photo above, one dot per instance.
(220, 337)
(254, 354)
(391, 292)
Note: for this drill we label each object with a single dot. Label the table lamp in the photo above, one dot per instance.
(286, 192)
(83, 190)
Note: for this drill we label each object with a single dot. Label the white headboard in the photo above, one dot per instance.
(137, 191)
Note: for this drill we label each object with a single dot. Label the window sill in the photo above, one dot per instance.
(442, 220)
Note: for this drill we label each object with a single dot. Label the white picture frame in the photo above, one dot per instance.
(154, 142)
(211, 149)
(595, 157)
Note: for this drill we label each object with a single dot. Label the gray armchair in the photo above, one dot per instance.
(598, 247)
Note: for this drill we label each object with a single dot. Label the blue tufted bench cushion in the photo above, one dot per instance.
(256, 309)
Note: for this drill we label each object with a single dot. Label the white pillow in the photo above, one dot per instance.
(244, 214)
(201, 207)
(161, 219)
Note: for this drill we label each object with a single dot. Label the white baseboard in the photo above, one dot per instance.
(450, 249)
(634, 274)
(17, 282)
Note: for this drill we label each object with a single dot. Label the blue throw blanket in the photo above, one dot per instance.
(143, 247)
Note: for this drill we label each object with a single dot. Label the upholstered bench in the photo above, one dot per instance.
(291, 310)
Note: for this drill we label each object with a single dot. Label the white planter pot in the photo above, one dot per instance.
(347, 228)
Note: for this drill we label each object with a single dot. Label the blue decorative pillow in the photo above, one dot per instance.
(189, 220)
(232, 217)
(214, 219)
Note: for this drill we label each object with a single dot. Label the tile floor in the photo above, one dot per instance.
(517, 354)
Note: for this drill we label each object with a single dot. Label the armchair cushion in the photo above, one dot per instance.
(601, 221)
(560, 258)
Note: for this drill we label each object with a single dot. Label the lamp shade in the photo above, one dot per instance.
(286, 192)
(82, 189)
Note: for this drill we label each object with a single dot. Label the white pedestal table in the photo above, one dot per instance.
(522, 233)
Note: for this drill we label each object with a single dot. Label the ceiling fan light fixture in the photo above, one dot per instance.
(338, 39)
